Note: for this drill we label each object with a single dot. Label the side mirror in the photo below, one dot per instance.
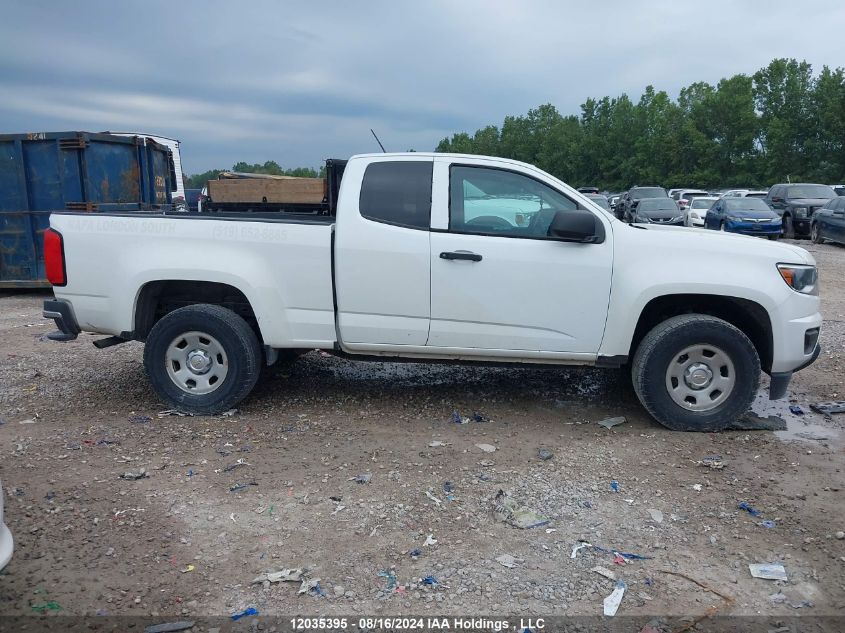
(577, 226)
(777, 199)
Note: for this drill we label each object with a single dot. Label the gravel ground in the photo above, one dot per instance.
(274, 486)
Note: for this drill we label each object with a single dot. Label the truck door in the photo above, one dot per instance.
(498, 282)
(382, 265)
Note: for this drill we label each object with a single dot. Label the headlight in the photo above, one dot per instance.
(733, 218)
(800, 212)
(803, 279)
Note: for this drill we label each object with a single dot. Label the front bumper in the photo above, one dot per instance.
(754, 228)
(61, 312)
(780, 379)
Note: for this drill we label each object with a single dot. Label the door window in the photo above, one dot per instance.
(498, 202)
(397, 192)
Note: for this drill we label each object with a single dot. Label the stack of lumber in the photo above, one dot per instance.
(272, 190)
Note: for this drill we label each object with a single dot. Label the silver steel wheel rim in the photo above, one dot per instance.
(196, 363)
(700, 377)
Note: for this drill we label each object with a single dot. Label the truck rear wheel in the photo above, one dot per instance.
(696, 372)
(202, 359)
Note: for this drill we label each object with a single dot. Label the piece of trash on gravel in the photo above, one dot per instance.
(609, 423)
(479, 417)
(432, 497)
(506, 510)
(487, 448)
(239, 487)
(47, 606)
(753, 422)
(768, 524)
(828, 408)
(311, 588)
(457, 418)
(363, 478)
(625, 555)
(603, 571)
(614, 486)
(782, 598)
(230, 413)
(237, 464)
(768, 571)
(796, 410)
(176, 412)
(139, 419)
(578, 547)
(712, 461)
(245, 613)
(656, 515)
(129, 476)
(429, 580)
(745, 506)
(188, 569)
(169, 627)
(436, 444)
(544, 454)
(430, 540)
(612, 602)
(506, 560)
(283, 575)
(390, 577)
(416, 552)
(697, 487)
(448, 487)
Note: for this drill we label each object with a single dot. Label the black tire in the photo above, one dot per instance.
(243, 357)
(788, 227)
(816, 234)
(663, 344)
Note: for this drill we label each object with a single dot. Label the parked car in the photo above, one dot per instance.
(657, 211)
(396, 270)
(7, 543)
(588, 189)
(697, 209)
(745, 193)
(614, 200)
(839, 189)
(687, 194)
(599, 199)
(749, 216)
(829, 222)
(625, 207)
(796, 203)
(671, 193)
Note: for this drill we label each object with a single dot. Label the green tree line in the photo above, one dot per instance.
(782, 122)
(271, 167)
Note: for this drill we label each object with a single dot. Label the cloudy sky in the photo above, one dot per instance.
(298, 82)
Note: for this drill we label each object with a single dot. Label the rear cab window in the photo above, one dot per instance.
(398, 193)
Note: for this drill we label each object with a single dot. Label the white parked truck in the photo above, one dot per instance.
(439, 256)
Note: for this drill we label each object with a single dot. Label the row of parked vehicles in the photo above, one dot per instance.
(785, 210)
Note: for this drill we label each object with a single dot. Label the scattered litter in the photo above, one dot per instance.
(239, 487)
(745, 506)
(614, 486)
(414, 553)
(697, 487)
(768, 571)
(363, 478)
(828, 408)
(768, 524)
(656, 515)
(50, 496)
(283, 575)
(436, 444)
(188, 569)
(237, 464)
(712, 461)
(339, 508)
(429, 580)
(47, 606)
(602, 571)
(432, 497)
(390, 576)
(447, 486)
(550, 530)
(232, 516)
(430, 540)
(753, 422)
(169, 627)
(796, 410)
(139, 419)
(612, 602)
(625, 555)
(609, 423)
(28, 421)
(508, 511)
(506, 560)
(479, 417)
(618, 560)
(176, 412)
(230, 413)
(782, 598)
(457, 418)
(544, 454)
(141, 474)
(487, 448)
(578, 547)
(312, 588)
(245, 613)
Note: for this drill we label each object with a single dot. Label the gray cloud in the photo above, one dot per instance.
(277, 80)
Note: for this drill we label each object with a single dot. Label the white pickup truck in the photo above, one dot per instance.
(439, 256)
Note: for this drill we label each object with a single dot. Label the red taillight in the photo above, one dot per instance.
(54, 257)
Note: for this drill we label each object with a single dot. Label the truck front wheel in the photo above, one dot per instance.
(202, 359)
(696, 372)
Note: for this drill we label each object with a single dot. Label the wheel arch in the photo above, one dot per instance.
(748, 316)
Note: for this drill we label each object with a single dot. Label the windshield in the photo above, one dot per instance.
(757, 194)
(601, 201)
(746, 204)
(658, 205)
(810, 191)
(690, 194)
(701, 203)
(648, 192)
